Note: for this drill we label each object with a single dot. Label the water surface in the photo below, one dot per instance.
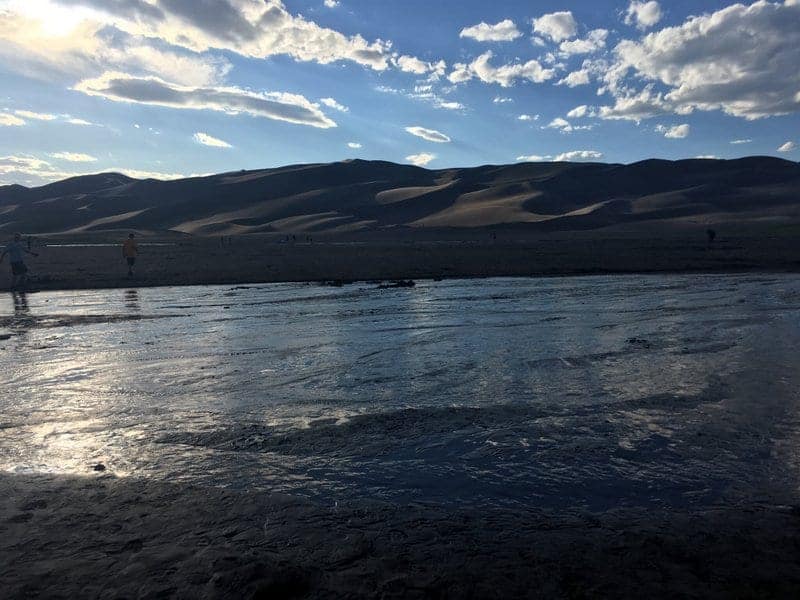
(584, 393)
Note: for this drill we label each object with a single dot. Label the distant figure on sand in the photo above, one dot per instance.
(19, 272)
(130, 250)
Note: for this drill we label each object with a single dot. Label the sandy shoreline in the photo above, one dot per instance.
(103, 537)
(198, 261)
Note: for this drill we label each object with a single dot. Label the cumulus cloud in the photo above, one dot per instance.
(430, 135)
(504, 31)
(643, 14)
(67, 40)
(636, 106)
(677, 132)
(557, 26)
(57, 43)
(505, 75)
(422, 159)
(449, 105)
(576, 78)
(8, 120)
(74, 157)
(788, 147)
(571, 156)
(121, 87)
(331, 103)
(581, 111)
(596, 40)
(354, 145)
(579, 155)
(332, 3)
(252, 28)
(741, 59)
(565, 126)
(207, 140)
(528, 118)
(502, 100)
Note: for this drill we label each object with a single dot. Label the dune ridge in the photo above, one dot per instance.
(358, 196)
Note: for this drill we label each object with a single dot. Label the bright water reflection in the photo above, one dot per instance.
(578, 392)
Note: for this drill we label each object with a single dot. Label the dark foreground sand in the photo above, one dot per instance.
(102, 537)
(191, 261)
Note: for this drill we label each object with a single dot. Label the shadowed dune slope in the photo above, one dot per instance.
(358, 195)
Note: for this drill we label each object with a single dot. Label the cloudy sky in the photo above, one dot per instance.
(168, 88)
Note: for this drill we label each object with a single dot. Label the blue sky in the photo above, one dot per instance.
(169, 88)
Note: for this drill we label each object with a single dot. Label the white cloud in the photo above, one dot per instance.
(430, 135)
(788, 147)
(74, 157)
(280, 106)
(461, 73)
(557, 26)
(504, 31)
(502, 100)
(411, 64)
(575, 79)
(7, 120)
(596, 40)
(528, 118)
(27, 114)
(505, 75)
(48, 41)
(83, 122)
(66, 40)
(581, 111)
(449, 105)
(422, 159)
(571, 156)
(707, 157)
(579, 155)
(207, 140)
(677, 132)
(741, 59)
(636, 106)
(332, 3)
(33, 171)
(331, 103)
(740, 142)
(354, 145)
(565, 126)
(643, 14)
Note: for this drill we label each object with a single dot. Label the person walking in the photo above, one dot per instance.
(130, 250)
(19, 272)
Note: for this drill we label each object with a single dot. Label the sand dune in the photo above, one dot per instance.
(368, 196)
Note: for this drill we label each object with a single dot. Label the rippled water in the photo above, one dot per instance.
(576, 392)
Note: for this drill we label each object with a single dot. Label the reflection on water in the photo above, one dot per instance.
(579, 392)
(132, 300)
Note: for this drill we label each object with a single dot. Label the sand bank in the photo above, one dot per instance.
(240, 260)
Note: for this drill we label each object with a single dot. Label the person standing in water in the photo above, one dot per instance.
(19, 272)
(130, 250)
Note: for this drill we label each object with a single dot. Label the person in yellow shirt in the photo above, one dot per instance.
(130, 250)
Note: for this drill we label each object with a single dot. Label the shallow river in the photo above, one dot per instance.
(584, 393)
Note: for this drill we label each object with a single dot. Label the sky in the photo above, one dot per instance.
(174, 88)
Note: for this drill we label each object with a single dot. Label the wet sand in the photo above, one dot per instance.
(102, 537)
(242, 260)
